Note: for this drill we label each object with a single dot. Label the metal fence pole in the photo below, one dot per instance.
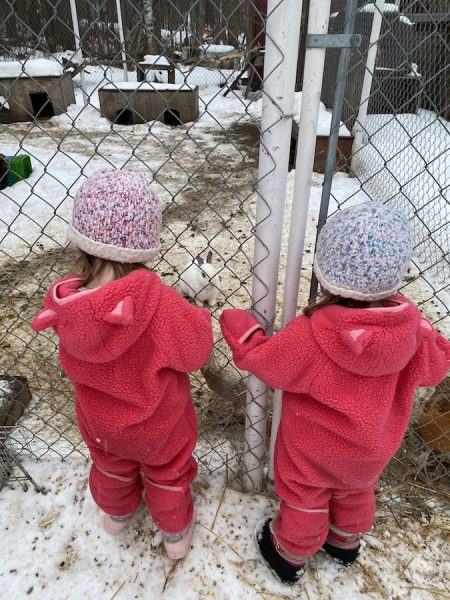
(359, 128)
(341, 82)
(280, 64)
(319, 13)
(122, 40)
(78, 53)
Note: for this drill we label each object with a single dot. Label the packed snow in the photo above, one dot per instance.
(155, 60)
(216, 49)
(65, 554)
(324, 120)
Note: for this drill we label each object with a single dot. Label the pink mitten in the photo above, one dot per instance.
(238, 325)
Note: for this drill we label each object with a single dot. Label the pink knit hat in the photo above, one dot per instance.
(117, 216)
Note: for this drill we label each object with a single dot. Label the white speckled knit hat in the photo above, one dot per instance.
(116, 216)
(363, 252)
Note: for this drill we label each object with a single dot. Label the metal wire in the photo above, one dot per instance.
(205, 172)
(403, 162)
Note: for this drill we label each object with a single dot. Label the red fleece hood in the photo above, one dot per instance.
(371, 342)
(99, 325)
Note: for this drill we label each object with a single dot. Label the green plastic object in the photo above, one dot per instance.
(19, 167)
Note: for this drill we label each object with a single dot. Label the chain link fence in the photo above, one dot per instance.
(204, 171)
(399, 155)
(204, 167)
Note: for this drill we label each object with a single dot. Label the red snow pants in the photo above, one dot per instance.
(302, 526)
(117, 484)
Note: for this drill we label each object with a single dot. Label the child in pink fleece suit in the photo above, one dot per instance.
(127, 342)
(349, 369)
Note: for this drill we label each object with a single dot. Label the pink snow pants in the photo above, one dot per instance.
(117, 484)
(301, 527)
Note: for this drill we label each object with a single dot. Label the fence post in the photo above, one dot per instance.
(280, 63)
(338, 103)
(78, 53)
(359, 127)
(319, 14)
(122, 40)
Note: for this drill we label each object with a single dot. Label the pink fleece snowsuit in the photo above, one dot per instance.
(349, 377)
(127, 347)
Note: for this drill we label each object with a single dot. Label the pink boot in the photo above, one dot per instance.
(177, 545)
(115, 525)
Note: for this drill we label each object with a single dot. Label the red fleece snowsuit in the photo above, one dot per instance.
(127, 347)
(348, 377)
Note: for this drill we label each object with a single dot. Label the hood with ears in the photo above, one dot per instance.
(374, 341)
(99, 325)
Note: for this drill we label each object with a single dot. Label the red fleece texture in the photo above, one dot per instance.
(302, 529)
(127, 347)
(348, 377)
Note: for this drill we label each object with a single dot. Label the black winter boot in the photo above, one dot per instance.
(342, 555)
(344, 549)
(286, 571)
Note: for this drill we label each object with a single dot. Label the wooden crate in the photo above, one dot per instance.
(128, 103)
(343, 152)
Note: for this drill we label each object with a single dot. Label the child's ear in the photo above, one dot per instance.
(356, 339)
(122, 313)
(44, 319)
(426, 330)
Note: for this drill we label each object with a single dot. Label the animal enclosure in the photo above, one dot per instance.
(202, 142)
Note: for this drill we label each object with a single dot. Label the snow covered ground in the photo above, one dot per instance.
(53, 547)
(205, 174)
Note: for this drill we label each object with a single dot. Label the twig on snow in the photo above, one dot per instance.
(222, 496)
(170, 573)
(222, 540)
(118, 590)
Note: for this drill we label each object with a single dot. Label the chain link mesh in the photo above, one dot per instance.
(404, 162)
(205, 172)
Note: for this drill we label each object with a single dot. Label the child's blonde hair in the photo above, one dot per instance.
(327, 299)
(90, 267)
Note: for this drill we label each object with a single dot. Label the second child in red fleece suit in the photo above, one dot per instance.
(127, 342)
(349, 369)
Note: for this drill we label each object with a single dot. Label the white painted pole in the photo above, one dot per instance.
(78, 54)
(360, 124)
(122, 40)
(319, 13)
(280, 65)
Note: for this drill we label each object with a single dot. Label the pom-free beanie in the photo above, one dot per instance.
(363, 252)
(116, 216)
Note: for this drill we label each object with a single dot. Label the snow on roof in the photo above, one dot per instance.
(39, 67)
(405, 19)
(324, 119)
(387, 8)
(155, 59)
(215, 49)
(138, 85)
